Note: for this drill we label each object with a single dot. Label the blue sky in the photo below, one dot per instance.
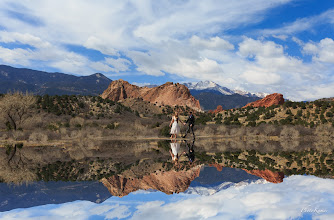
(267, 46)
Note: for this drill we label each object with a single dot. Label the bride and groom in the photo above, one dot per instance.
(175, 127)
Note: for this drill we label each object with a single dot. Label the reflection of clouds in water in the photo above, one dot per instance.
(260, 201)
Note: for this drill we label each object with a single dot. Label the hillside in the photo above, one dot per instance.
(307, 114)
(40, 83)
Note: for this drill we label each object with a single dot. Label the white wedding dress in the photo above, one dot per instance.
(175, 127)
(175, 150)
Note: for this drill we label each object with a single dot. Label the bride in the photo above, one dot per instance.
(175, 130)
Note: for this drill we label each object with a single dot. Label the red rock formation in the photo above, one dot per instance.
(217, 110)
(269, 100)
(168, 182)
(270, 176)
(166, 94)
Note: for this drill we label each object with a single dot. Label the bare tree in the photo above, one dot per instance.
(15, 107)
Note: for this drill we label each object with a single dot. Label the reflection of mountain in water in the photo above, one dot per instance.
(41, 193)
(173, 181)
(210, 176)
(212, 180)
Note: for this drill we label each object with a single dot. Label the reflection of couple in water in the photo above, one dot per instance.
(175, 151)
(175, 127)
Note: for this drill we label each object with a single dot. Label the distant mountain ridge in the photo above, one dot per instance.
(210, 95)
(206, 86)
(40, 82)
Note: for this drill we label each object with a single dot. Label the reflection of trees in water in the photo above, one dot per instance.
(87, 160)
(14, 169)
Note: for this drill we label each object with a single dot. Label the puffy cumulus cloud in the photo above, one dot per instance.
(296, 197)
(322, 51)
(260, 76)
(268, 64)
(191, 67)
(256, 48)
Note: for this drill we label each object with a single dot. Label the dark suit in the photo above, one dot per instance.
(191, 124)
(191, 151)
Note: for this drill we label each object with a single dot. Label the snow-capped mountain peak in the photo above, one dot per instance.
(203, 85)
(209, 85)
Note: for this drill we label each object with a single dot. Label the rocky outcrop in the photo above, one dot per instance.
(166, 94)
(168, 182)
(269, 100)
(270, 176)
(217, 110)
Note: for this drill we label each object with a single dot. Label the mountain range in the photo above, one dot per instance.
(209, 86)
(209, 94)
(40, 83)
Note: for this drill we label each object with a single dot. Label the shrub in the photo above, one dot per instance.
(165, 131)
(111, 126)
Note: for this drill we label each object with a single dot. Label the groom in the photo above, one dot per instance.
(191, 124)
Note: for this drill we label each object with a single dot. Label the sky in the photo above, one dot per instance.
(284, 46)
(298, 197)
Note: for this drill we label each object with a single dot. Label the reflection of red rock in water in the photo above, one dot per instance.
(269, 100)
(270, 176)
(218, 167)
(168, 182)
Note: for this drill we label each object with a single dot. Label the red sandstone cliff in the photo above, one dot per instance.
(269, 100)
(166, 94)
(168, 182)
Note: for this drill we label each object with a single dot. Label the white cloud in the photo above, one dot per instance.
(186, 38)
(260, 76)
(140, 84)
(9, 37)
(214, 43)
(295, 197)
(100, 66)
(119, 64)
(281, 37)
(97, 44)
(322, 51)
(15, 56)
